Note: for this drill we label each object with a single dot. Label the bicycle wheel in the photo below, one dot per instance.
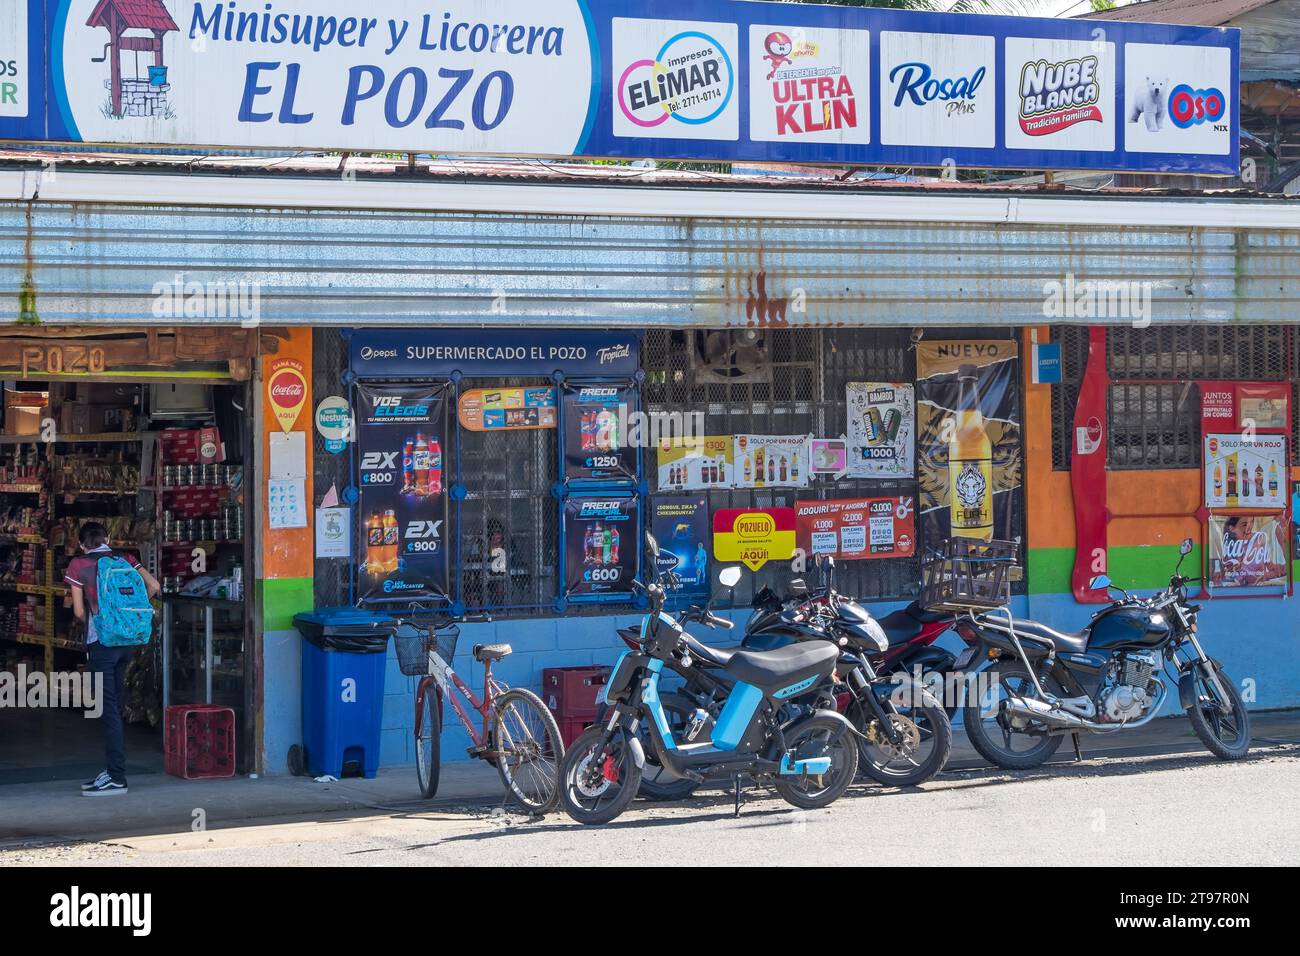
(428, 741)
(529, 749)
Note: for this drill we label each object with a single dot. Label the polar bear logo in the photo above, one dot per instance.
(1149, 104)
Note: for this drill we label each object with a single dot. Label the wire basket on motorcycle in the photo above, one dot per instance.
(418, 636)
(967, 574)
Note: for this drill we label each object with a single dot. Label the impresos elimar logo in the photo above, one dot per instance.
(689, 80)
(1056, 96)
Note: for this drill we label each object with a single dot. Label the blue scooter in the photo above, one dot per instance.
(810, 756)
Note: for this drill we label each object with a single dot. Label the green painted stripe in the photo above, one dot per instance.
(282, 598)
(1142, 567)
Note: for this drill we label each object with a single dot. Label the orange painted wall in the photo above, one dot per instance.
(287, 552)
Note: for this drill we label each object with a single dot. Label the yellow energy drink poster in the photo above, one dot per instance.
(969, 452)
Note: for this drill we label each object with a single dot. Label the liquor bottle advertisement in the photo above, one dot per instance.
(853, 529)
(1245, 471)
(402, 451)
(969, 458)
(882, 429)
(496, 409)
(1248, 551)
(595, 433)
(696, 464)
(680, 525)
(772, 461)
(602, 550)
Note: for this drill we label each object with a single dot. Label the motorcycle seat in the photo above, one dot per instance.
(717, 656)
(774, 669)
(1075, 643)
(906, 623)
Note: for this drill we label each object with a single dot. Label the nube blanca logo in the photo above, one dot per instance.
(689, 80)
(1056, 96)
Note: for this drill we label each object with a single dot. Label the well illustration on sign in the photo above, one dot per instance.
(137, 95)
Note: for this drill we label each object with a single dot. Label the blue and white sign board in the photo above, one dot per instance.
(672, 79)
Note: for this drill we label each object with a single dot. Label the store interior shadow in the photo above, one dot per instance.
(38, 745)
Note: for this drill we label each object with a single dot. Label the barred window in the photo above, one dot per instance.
(1154, 405)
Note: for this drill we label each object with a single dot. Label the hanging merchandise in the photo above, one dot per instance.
(402, 512)
(772, 461)
(696, 464)
(968, 445)
(882, 429)
(596, 441)
(602, 549)
(681, 527)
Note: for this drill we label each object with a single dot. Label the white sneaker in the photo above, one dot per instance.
(105, 788)
(92, 784)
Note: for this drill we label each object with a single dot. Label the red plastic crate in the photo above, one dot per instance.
(199, 741)
(571, 730)
(570, 692)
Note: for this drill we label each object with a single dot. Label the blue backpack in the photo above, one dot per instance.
(125, 616)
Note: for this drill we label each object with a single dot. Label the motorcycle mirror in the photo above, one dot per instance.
(729, 577)
(651, 545)
(1186, 547)
(1099, 583)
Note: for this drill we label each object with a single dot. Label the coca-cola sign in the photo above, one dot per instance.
(286, 391)
(1248, 551)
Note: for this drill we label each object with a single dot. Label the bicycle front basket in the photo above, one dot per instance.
(413, 644)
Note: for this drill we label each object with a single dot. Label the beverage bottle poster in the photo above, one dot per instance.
(772, 461)
(680, 525)
(968, 446)
(853, 529)
(1248, 551)
(602, 549)
(1243, 471)
(402, 459)
(596, 440)
(881, 429)
(696, 464)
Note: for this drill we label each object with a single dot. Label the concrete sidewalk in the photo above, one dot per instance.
(56, 812)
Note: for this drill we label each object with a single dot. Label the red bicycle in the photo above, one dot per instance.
(518, 736)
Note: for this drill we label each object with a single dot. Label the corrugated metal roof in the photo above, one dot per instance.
(1195, 13)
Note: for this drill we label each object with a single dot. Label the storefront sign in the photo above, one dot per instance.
(681, 528)
(595, 439)
(438, 353)
(619, 78)
(1242, 471)
(968, 446)
(696, 464)
(882, 429)
(403, 476)
(851, 529)
(1247, 551)
(602, 551)
(507, 409)
(772, 461)
(753, 536)
(286, 391)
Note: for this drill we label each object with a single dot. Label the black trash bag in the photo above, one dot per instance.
(346, 629)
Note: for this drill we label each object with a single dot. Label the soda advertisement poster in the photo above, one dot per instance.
(602, 550)
(772, 461)
(496, 409)
(595, 433)
(851, 529)
(402, 450)
(1245, 471)
(681, 527)
(969, 462)
(753, 536)
(1248, 551)
(696, 464)
(882, 429)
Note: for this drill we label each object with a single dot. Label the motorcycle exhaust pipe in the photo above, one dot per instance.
(1039, 710)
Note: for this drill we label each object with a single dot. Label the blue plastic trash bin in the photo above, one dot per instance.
(344, 651)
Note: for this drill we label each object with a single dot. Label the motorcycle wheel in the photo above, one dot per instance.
(922, 754)
(1227, 736)
(814, 738)
(597, 794)
(656, 783)
(995, 742)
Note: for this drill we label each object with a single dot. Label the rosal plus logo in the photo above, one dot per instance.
(918, 84)
(1192, 107)
(1056, 96)
(690, 80)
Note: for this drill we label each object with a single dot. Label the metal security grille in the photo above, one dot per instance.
(803, 391)
(1154, 405)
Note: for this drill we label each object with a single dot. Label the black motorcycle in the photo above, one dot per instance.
(1043, 684)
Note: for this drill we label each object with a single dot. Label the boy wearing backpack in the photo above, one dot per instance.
(110, 592)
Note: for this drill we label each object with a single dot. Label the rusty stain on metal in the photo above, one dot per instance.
(759, 308)
(27, 314)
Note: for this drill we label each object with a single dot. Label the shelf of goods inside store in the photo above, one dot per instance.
(199, 509)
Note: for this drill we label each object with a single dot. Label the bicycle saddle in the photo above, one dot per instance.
(491, 652)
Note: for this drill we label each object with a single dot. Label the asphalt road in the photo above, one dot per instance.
(1183, 809)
